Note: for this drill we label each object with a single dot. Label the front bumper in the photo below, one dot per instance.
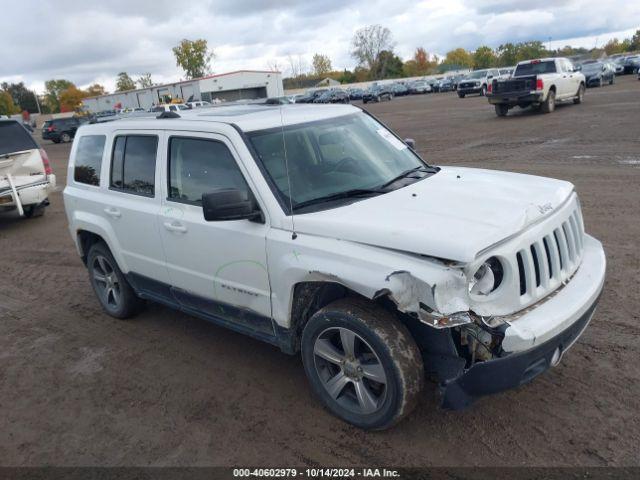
(536, 341)
(469, 90)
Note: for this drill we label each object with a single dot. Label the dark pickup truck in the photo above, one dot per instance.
(537, 83)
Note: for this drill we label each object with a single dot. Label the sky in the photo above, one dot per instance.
(89, 41)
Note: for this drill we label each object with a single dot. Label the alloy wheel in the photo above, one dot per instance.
(106, 282)
(350, 370)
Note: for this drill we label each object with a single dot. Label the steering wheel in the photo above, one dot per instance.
(345, 162)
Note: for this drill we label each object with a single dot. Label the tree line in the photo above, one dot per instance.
(372, 47)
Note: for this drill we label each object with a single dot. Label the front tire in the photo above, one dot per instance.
(114, 293)
(461, 95)
(362, 363)
(549, 105)
(580, 95)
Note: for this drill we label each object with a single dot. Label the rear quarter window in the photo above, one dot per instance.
(15, 138)
(88, 161)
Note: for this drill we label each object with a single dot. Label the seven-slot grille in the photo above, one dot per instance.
(551, 259)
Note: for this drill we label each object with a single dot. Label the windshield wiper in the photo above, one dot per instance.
(404, 174)
(356, 192)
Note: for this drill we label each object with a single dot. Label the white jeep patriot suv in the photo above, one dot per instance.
(316, 229)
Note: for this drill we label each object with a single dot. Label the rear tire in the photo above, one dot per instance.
(580, 95)
(114, 293)
(33, 211)
(65, 137)
(501, 109)
(362, 363)
(549, 105)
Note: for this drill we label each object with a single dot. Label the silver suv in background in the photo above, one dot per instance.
(26, 178)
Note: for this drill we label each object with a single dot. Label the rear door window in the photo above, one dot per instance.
(133, 164)
(88, 162)
(15, 138)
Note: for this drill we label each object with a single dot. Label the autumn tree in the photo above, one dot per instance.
(7, 107)
(635, 42)
(145, 81)
(387, 65)
(367, 44)
(124, 82)
(95, 90)
(24, 98)
(52, 92)
(420, 64)
(321, 64)
(458, 58)
(194, 57)
(71, 98)
(484, 57)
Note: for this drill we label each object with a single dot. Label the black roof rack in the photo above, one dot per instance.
(168, 115)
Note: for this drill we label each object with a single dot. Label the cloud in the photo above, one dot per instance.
(93, 40)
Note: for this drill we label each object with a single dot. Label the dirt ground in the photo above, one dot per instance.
(80, 388)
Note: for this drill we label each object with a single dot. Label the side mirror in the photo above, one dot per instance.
(229, 204)
(410, 142)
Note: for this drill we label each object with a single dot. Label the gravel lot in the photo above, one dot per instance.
(80, 388)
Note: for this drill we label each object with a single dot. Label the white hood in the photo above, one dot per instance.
(453, 214)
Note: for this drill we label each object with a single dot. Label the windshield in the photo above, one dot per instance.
(478, 74)
(535, 68)
(330, 157)
(592, 67)
(14, 138)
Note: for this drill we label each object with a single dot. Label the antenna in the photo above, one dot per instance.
(294, 235)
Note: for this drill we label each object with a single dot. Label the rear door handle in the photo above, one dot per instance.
(112, 212)
(175, 227)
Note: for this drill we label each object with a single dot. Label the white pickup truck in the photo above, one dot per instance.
(25, 174)
(538, 83)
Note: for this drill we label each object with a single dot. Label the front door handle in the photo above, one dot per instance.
(175, 227)
(112, 212)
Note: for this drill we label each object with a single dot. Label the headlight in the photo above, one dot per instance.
(487, 278)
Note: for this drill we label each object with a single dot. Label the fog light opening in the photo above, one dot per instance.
(555, 358)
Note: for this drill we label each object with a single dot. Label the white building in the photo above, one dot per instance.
(240, 85)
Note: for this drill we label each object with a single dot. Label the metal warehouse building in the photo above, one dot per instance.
(240, 85)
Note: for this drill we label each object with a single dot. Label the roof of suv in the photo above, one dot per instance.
(248, 117)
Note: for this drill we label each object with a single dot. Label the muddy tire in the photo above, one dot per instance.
(114, 293)
(549, 105)
(362, 363)
(501, 109)
(33, 211)
(579, 96)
